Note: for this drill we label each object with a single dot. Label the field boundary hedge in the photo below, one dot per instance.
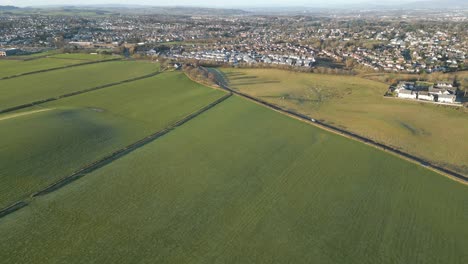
(14, 108)
(58, 68)
(111, 157)
(12, 208)
(425, 163)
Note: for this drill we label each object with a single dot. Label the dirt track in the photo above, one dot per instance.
(25, 113)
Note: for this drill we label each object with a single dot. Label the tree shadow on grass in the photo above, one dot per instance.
(243, 78)
(234, 74)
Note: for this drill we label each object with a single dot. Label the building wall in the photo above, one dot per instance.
(426, 97)
(407, 96)
(446, 100)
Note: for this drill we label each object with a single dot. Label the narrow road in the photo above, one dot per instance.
(221, 81)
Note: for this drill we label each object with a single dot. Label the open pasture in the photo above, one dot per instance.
(20, 65)
(10, 67)
(430, 131)
(45, 143)
(36, 87)
(81, 56)
(244, 184)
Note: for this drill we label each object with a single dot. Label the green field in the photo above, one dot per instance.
(46, 143)
(36, 87)
(14, 67)
(82, 56)
(38, 54)
(433, 132)
(244, 184)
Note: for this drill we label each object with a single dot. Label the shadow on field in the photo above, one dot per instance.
(255, 82)
(234, 74)
(243, 78)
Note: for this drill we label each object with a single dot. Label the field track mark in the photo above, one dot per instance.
(25, 113)
(112, 157)
(14, 108)
(57, 68)
(222, 82)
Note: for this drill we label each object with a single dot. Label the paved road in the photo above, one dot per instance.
(221, 81)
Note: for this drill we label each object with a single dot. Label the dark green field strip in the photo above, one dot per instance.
(15, 108)
(244, 184)
(45, 144)
(36, 87)
(423, 162)
(57, 68)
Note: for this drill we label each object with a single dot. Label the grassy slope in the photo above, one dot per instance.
(243, 184)
(35, 87)
(433, 132)
(39, 148)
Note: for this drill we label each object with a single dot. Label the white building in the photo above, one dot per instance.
(446, 98)
(406, 94)
(425, 96)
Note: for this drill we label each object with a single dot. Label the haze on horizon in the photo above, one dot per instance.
(199, 3)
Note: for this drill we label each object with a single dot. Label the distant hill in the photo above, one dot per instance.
(8, 8)
(432, 4)
(141, 9)
(196, 11)
(421, 4)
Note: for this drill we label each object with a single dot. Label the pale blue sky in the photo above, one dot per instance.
(211, 3)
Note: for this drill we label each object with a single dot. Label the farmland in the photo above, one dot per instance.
(10, 67)
(77, 130)
(244, 184)
(358, 105)
(35, 87)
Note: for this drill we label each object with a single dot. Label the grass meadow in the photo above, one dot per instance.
(434, 132)
(14, 67)
(35, 87)
(45, 143)
(244, 184)
(11, 67)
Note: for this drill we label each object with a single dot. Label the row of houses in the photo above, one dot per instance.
(441, 92)
(8, 52)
